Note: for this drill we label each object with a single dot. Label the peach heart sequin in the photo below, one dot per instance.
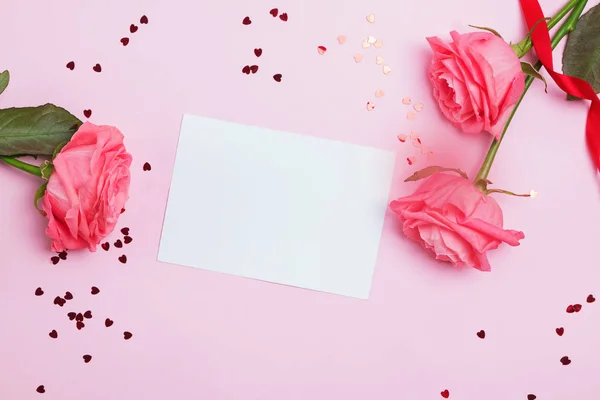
(418, 107)
(402, 137)
(386, 69)
(378, 44)
(366, 44)
(370, 106)
(379, 93)
(371, 40)
(341, 39)
(379, 60)
(321, 50)
(358, 58)
(411, 115)
(371, 18)
(406, 100)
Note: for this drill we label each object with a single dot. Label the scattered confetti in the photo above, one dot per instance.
(118, 244)
(246, 21)
(321, 50)
(341, 39)
(127, 335)
(406, 100)
(71, 315)
(411, 115)
(125, 41)
(62, 255)
(577, 307)
(416, 142)
(68, 296)
(481, 334)
(531, 397)
(246, 70)
(59, 301)
(105, 246)
(41, 389)
(87, 358)
(418, 107)
(80, 325)
(87, 113)
(133, 28)
(39, 292)
(108, 322)
(87, 314)
(54, 260)
(370, 106)
(283, 17)
(533, 194)
(379, 93)
(79, 317)
(53, 334)
(387, 69)
(144, 20)
(371, 39)
(127, 239)
(379, 60)
(254, 69)
(97, 68)
(277, 77)
(445, 394)
(560, 331)
(125, 231)
(371, 18)
(358, 58)
(274, 12)
(71, 65)
(123, 259)
(402, 138)
(258, 52)
(590, 298)
(378, 44)
(366, 44)
(147, 166)
(414, 135)
(95, 290)
(565, 360)
(411, 160)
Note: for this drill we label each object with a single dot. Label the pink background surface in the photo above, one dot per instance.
(203, 335)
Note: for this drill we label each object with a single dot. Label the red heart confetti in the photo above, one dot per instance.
(71, 315)
(125, 231)
(122, 210)
(87, 358)
(80, 325)
(565, 360)
(128, 239)
(481, 334)
(147, 166)
(97, 68)
(283, 17)
(62, 255)
(68, 296)
(105, 246)
(531, 397)
(123, 259)
(95, 290)
(246, 21)
(39, 291)
(445, 394)
(321, 50)
(53, 334)
(258, 52)
(274, 12)
(55, 260)
(41, 389)
(277, 77)
(577, 307)
(108, 322)
(59, 301)
(127, 335)
(560, 331)
(87, 314)
(133, 28)
(570, 309)
(590, 299)
(125, 41)
(87, 113)
(118, 244)
(79, 317)
(254, 69)
(144, 20)
(246, 70)
(71, 65)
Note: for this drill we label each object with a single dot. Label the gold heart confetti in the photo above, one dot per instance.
(371, 18)
(386, 69)
(379, 60)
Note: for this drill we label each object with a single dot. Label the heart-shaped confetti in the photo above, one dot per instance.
(71, 315)
(97, 68)
(125, 231)
(68, 296)
(387, 69)
(445, 394)
(87, 358)
(379, 93)
(371, 39)
(365, 44)
(258, 52)
(406, 100)
(108, 322)
(560, 331)
(127, 239)
(41, 389)
(416, 142)
(370, 18)
(55, 260)
(379, 60)
(87, 113)
(277, 77)
(590, 299)
(570, 309)
(411, 160)
(62, 255)
(565, 360)
(59, 301)
(481, 333)
(283, 17)
(341, 39)
(274, 12)
(144, 20)
(79, 317)
(127, 335)
(147, 166)
(410, 116)
(87, 314)
(246, 21)
(378, 44)
(321, 50)
(123, 259)
(358, 58)
(39, 291)
(125, 41)
(80, 325)
(418, 107)
(577, 307)
(53, 334)
(246, 70)
(402, 138)
(254, 69)
(118, 244)
(531, 397)
(95, 290)
(71, 65)
(105, 246)
(370, 106)
(133, 28)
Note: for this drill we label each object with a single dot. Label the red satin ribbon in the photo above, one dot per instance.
(574, 86)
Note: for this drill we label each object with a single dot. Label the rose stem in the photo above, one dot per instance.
(23, 166)
(564, 30)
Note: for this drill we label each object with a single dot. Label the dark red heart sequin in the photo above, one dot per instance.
(560, 331)
(274, 12)
(445, 394)
(97, 68)
(71, 315)
(125, 231)
(118, 244)
(283, 17)
(95, 290)
(258, 52)
(147, 167)
(254, 69)
(62, 255)
(108, 322)
(277, 77)
(133, 28)
(144, 20)
(39, 291)
(87, 358)
(128, 239)
(577, 307)
(53, 334)
(68, 296)
(531, 397)
(105, 246)
(87, 113)
(246, 21)
(123, 259)
(125, 41)
(246, 70)
(122, 210)
(41, 389)
(570, 309)
(80, 325)
(127, 335)
(55, 260)
(71, 65)
(87, 314)
(481, 334)
(79, 317)
(590, 299)
(565, 360)
(59, 301)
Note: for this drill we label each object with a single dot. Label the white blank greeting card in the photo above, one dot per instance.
(276, 206)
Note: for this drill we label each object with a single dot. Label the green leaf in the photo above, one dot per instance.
(4, 79)
(529, 70)
(582, 52)
(35, 130)
(483, 28)
(434, 169)
(46, 168)
(39, 194)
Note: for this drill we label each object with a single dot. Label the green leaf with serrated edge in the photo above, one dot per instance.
(581, 57)
(4, 79)
(59, 148)
(434, 169)
(483, 28)
(529, 70)
(35, 130)
(39, 194)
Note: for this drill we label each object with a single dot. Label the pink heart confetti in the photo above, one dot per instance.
(321, 50)
(378, 44)
(341, 39)
(406, 100)
(379, 93)
(358, 58)
(386, 69)
(418, 107)
(411, 115)
(365, 44)
(370, 106)
(402, 138)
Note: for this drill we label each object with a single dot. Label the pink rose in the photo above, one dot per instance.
(453, 220)
(477, 80)
(88, 188)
